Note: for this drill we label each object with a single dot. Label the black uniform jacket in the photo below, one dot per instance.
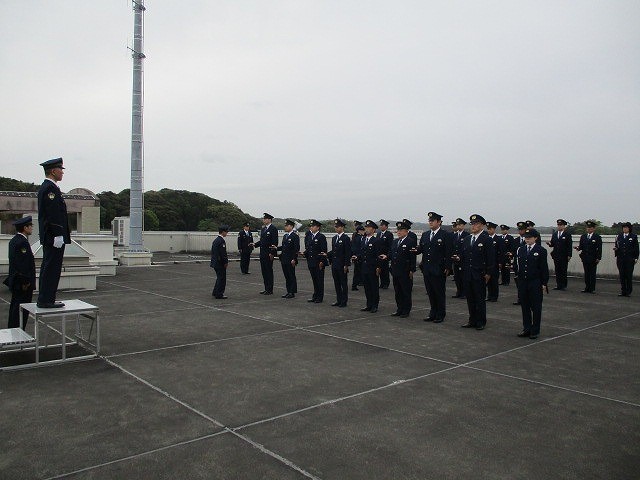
(219, 256)
(22, 268)
(340, 254)
(52, 214)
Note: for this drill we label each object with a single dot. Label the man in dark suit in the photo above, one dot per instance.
(403, 264)
(493, 288)
(477, 256)
(387, 237)
(22, 272)
(508, 241)
(459, 234)
(532, 272)
(414, 238)
(220, 262)
(357, 239)
(316, 255)
(436, 247)
(340, 259)
(590, 248)
(290, 249)
(245, 239)
(562, 245)
(54, 232)
(519, 242)
(372, 249)
(268, 244)
(626, 252)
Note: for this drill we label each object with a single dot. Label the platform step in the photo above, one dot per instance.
(14, 336)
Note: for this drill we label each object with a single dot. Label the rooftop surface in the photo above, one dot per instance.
(262, 387)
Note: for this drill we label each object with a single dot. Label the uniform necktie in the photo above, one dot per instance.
(528, 249)
(431, 237)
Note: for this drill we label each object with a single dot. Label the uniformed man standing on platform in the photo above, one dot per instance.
(340, 259)
(562, 245)
(220, 262)
(245, 239)
(532, 272)
(372, 249)
(289, 249)
(22, 272)
(316, 255)
(508, 241)
(626, 252)
(477, 256)
(403, 265)
(387, 237)
(268, 243)
(459, 234)
(54, 232)
(436, 247)
(590, 249)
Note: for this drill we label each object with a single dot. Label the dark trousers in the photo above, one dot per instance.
(457, 278)
(493, 287)
(402, 288)
(50, 273)
(357, 275)
(590, 276)
(505, 275)
(531, 304)
(371, 289)
(436, 286)
(290, 279)
(19, 296)
(341, 283)
(625, 268)
(266, 266)
(384, 275)
(475, 291)
(317, 277)
(221, 282)
(245, 258)
(561, 267)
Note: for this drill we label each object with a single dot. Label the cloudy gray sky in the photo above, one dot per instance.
(511, 109)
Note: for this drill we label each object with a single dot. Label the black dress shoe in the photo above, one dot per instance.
(263, 292)
(468, 325)
(354, 289)
(286, 295)
(311, 300)
(268, 293)
(456, 296)
(492, 300)
(342, 305)
(481, 327)
(516, 303)
(404, 315)
(395, 314)
(50, 305)
(585, 291)
(429, 319)
(365, 309)
(524, 333)
(438, 320)
(462, 297)
(317, 301)
(221, 297)
(335, 304)
(373, 310)
(533, 337)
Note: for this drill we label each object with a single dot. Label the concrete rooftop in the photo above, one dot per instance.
(261, 387)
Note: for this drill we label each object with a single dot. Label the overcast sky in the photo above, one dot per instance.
(361, 109)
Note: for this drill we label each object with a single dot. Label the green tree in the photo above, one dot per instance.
(151, 221)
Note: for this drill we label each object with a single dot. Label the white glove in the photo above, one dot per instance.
(58, 242)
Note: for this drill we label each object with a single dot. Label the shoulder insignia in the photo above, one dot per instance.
(23, 250)
(52, 196)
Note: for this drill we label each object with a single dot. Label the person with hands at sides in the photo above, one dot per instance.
(403, 264)
(370, 259)
(532, 271)
(22, 272)
(626, 252)
(289, 249)
(268, 244)
(590, 248)
(340, 259)
(316, 254)
(477, 256)
(54, 232)
(220, 262)
(562, 244)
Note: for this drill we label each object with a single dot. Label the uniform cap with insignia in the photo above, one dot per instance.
(492, 225)
(53, 163)
(246, 224)
(384, 222)
(589, 223)
(522, 225)
(531, 232)
(223, 228)
(460, 221)
(315, 223)
(475, 218)
(434, 216)
(370, 223)
(339, 222)
(530, 224)
(408, 223)
(505, 227)
(624, 224)
(22, 221)
(560, 221)
(359, 228)
(266, 215)
(357, 222)
(290, 222)
(401, 226)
